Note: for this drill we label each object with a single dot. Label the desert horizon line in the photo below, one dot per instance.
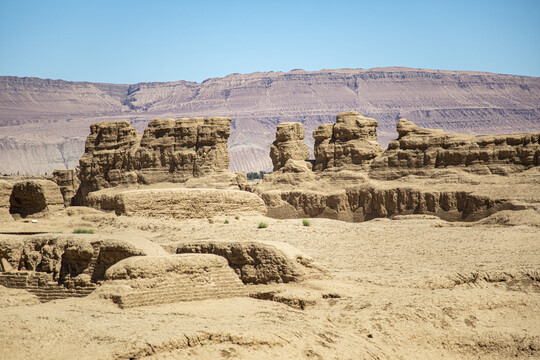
(295, 70)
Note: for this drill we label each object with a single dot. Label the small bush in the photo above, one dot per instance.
(306, 222)
(83, 231)
(226, 221)
(210, 220)
(237, 217)
(262, 225)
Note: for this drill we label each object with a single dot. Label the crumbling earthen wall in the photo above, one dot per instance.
(178, 203)
(169, 151)
(351, 141)
(152, 280)
(69, 183)
(5, 192)
(363, 203)
(254, 263)
(289, 144)
(56, 266)
(418, 150)
(35, 198)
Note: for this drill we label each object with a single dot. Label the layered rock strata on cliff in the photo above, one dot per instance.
(418, 151)
(289, 144)
(169, 151)
(351, 141)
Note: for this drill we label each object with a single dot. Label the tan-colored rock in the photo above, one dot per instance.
(169, 151)
(69, 183)
(351, 141)
(178, 203)
(176, 150)
(152, 280)
(289, 144)
(36, 198)
(254, 262)
(54, 266)
(418, 150)
(106, 158)
(5, 192)
(369, 202)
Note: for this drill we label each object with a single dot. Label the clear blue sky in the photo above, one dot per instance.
(135, 41)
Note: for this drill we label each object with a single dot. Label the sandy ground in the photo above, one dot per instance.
(415, 288)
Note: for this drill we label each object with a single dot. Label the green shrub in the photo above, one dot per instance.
(306, 222)
(210, 220)
(256, 175)
(226, 221)
(237, 217)
(262, 225)
(83, 231)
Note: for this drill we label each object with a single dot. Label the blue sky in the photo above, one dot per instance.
(135, 41)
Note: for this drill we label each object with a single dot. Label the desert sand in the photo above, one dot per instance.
(414, 287)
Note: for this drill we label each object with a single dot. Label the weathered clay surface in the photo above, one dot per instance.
(417, 150)
(348, 161)
(35, 197)
(5, 193)
(178, 203)
(254, 263)
(351, 141)
(176, 150)
(367, 202)
(69, 183)
(106, 156)
(289, 144)
(169, 151)
(152, 280)
(56, 266)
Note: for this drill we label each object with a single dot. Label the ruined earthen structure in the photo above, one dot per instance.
(56, 266)
(151, 280)
(289, 144)
(351, 141)
(347, 159)
(5, 192)
(364, 203)
(254, 263)
(35, 197)
(418, 150)
(169, 151)
(69, 183)
(177, 203)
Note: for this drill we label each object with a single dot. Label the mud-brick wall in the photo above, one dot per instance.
(42, 285)
(215, 283)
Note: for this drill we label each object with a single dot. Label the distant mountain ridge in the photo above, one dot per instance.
(43, 122)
